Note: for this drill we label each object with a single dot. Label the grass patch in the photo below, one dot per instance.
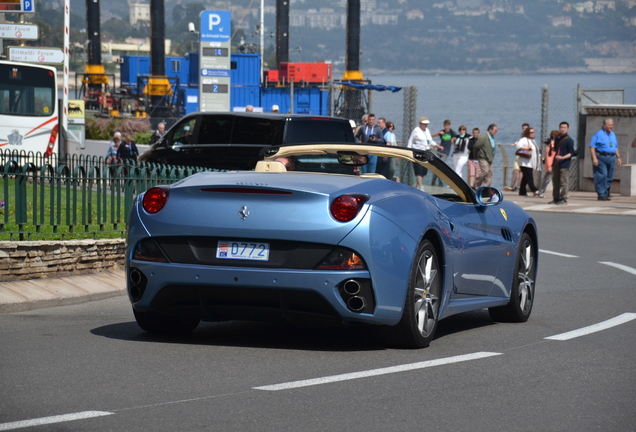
(61, 210)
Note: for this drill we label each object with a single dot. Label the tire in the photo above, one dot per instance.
(153, 322)
(419, 320)
(523, 286)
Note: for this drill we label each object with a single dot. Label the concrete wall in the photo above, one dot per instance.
(624, 117)
(50, 259)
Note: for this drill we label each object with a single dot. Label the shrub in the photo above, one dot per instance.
(104, 128)
(143, 137)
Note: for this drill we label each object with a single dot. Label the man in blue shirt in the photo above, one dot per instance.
(605, 156)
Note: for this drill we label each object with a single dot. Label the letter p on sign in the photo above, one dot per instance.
(214, 20)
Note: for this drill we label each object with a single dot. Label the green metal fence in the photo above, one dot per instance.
(64, 197)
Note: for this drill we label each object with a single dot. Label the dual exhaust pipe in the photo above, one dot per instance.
(138, 286)
(356, 303)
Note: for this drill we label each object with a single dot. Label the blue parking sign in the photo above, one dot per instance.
(27, 5)
(216, 26)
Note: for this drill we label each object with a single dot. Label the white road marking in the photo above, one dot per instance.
(376, 372)
(557, 253)
(619, 266)
(621, 319)
(53, 419)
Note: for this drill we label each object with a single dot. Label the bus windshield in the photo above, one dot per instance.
(26, 91)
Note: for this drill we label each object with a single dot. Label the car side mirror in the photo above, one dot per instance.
(487, 196)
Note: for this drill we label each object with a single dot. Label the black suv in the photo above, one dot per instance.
(233, 140)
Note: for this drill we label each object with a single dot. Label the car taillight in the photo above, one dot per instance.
(155, 199)
(52, 140)
(346, 207)
(342, 259)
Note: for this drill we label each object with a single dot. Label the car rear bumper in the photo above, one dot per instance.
(225, 293)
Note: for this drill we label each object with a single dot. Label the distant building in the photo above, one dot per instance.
(584, 7)
(601, 5)
(139, 12)
(469, 4)
(562, 22)
(415, 14)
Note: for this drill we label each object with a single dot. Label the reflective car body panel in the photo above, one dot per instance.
(477, 244)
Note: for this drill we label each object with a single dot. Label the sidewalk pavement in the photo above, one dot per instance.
(18, 296)
(577, 203)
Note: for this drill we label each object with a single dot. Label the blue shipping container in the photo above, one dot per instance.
(244, 96)
(134, 66)
(246, 69)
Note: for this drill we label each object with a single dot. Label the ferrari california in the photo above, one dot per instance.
(308, 238)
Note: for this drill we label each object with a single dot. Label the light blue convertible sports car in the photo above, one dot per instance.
(308, 238)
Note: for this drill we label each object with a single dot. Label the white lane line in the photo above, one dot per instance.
(557, 253)
(621, 319)
(376, 372)
(619, 266)
(53, 419)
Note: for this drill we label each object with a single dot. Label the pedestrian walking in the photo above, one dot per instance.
(420, 139)
(460, 153)
(473, 163)
(561, 170)
(548, 162)
(605, 156)
(447, 139)
(529, 162)
(485, 149)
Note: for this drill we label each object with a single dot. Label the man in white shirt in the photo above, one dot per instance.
(421, 139)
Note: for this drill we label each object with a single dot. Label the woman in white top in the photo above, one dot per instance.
(528, 164)
(460, 155)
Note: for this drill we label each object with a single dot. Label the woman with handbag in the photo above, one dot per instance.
(529, 160)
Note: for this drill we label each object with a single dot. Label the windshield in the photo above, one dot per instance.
(26, 91)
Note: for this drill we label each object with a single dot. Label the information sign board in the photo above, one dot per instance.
(19, 31)
(214, 60)
(35, 55)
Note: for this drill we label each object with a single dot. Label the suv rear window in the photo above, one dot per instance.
(318, 130)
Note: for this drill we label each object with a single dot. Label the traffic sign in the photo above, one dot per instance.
(35, 55)
(19, 31)
(216, 26)
(24, 6)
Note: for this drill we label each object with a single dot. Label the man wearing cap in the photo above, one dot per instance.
(275, 108)
(421, 139)
(605, 157)
(484, 151)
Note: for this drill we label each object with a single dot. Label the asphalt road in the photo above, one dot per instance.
(92, 365)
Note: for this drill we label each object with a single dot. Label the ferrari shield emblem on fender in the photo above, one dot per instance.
(244, 212)
(503, 213)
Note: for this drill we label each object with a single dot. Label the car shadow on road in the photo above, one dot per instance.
(287, 336)
(256, 335)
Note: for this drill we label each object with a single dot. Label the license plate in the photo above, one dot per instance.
(243, 250)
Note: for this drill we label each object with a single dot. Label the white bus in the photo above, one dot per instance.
(28, 108)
